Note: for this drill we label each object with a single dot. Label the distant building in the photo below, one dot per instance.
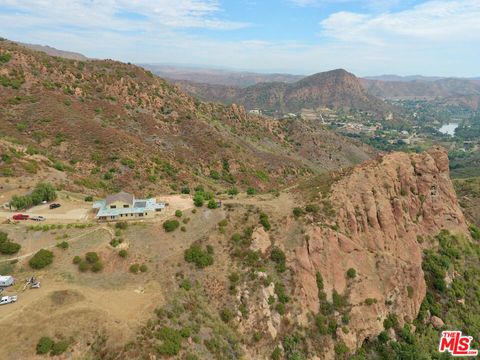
(255, 112)
(124, 206)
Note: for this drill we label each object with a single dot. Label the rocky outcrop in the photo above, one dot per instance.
(385, 208)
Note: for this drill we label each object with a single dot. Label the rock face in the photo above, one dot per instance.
(385, 208)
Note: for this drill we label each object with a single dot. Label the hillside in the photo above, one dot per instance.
(464, 92)
(105, 123)
(216, 76)
(55, 52)
(337, 89)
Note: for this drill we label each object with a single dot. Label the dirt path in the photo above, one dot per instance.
(73, 239)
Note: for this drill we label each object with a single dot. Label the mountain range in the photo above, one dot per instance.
(288, 93)
(337, 89)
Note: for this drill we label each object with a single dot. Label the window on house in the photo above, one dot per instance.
(126, 205)
(140, 214)
(113, 206)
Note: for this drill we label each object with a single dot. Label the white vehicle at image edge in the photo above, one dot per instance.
(8, 299)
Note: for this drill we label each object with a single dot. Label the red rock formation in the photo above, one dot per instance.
(382, 206)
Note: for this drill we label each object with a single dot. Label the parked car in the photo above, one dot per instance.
(8, 299)
(38, 218)
(20, 217)
(54, 205)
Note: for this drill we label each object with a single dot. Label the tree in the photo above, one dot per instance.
(351, 273)
(97, 267)
(178, 213)
(91, 257)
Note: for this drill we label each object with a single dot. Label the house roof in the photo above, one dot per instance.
(121, 196)
(147, 205)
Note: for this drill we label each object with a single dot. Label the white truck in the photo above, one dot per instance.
(8, 299)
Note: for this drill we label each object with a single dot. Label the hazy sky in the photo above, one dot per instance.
(366, 37)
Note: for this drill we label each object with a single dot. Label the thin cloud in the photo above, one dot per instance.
(144, 13)
(441, 21)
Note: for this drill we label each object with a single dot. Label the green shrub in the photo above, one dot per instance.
(115, 242)
(214, 174)
(84, 266)
(264, 221)
(63, 245)
(89, 198)
(91, 257)
(341, 349)
(390, 321)
(41, 259)
(297, 212)
(351, 273)
(212, 204)
(370, 301)
(276, 354)
(122, 253)
(134, 268)
(97, 267)
(199, 257)
(59, 347)
(198, 200)
(474, 231)
(251, 191)
(278, 256)
(44, 345)
(171, 341)
(312, 208)
(178, 213)
(185, 190)
(77, 259)
(186, 284)
(226, 314)
(233, 191)
(122, 225)
(143, 268)
(170, 225)
(9, 247)
(281, 293)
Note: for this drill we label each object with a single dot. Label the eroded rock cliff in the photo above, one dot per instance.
(386, 212)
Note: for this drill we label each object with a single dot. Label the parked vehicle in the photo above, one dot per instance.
(54, 205)
(20, 217)
(38, 218)
(8, 299)
(6, 280)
